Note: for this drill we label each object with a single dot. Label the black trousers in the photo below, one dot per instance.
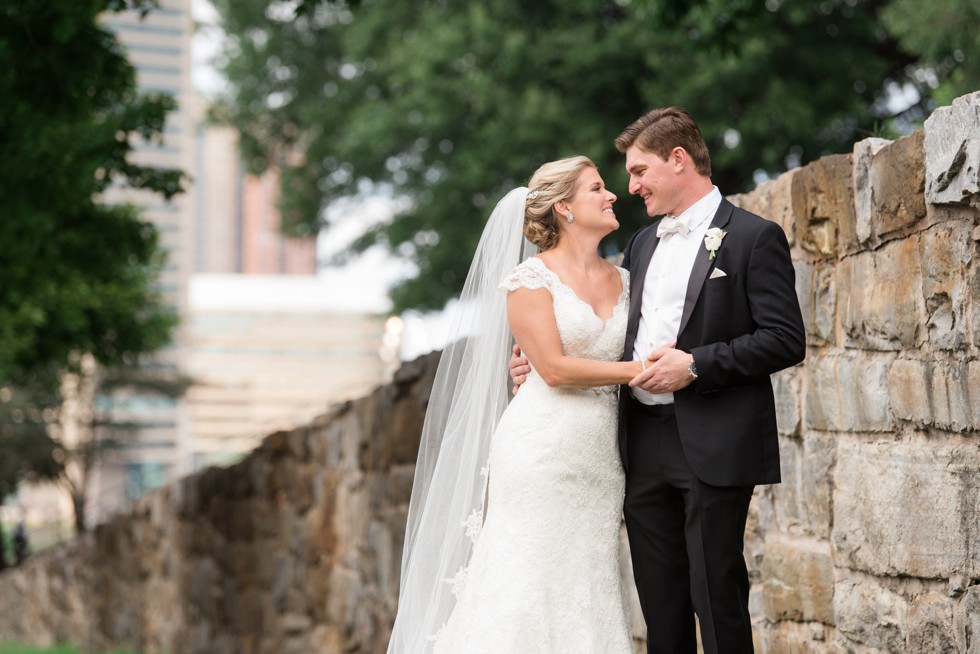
(686, 540)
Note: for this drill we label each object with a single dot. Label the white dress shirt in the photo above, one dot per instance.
(665, 286)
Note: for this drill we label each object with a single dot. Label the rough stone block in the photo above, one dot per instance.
(817, 292)
(848, 393)
(879, 298)
(944, 394)
(908, 508)
(787, 513)
(823, 205)
(757, 602)
(974, 283)
(803, 274)
(947, 251)
(870, 614)
(293, 483)
(758, 523)
(801, 504)
(863, 153)
(344, 434)
(798, 578)
(952, 146)
(394, 416)
(297, 442)
(825, 304)
(786, 388)
(840, 644)
(897, 180)
(772, 200)
(793, 638)
(910, 389)
(966, 622)
(819, 460)
(930, 625)
(381, 545)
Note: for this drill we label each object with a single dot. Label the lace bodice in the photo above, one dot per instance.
(583, 333)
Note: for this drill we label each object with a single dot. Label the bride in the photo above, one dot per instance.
(538, 571)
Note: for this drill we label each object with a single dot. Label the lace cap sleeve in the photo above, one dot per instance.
(625, 276)
(530, 274)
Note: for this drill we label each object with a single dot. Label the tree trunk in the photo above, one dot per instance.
(78, 503)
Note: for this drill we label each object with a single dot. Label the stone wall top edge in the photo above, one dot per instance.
(952, 159)
(942, 113)
(754, 196)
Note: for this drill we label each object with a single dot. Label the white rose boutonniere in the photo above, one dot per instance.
(712, 240)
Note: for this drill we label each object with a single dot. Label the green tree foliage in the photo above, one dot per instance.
(77, 276)
(449, 104)
(946, 35)
(27, 451)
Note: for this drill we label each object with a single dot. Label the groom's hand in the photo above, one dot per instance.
(667, 370)
(519, 368)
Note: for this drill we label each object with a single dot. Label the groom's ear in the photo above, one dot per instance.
(679, 158)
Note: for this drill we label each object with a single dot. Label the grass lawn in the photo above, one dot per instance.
(14, 648)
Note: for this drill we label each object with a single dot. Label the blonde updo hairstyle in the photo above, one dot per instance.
(553, 181)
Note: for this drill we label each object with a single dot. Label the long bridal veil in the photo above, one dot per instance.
(469, 394)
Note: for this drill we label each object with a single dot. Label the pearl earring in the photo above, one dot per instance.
(570, 217)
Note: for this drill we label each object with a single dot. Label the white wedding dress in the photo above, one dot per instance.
(544, 576)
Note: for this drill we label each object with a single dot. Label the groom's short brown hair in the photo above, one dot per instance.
(661, 130)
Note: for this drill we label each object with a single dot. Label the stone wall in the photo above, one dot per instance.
(872, 542)
(295, 550)
(870, 545)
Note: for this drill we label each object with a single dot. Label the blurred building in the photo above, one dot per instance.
(270, 352)
(237, 222)
(264, 249)
(157, 430)
(267, 346)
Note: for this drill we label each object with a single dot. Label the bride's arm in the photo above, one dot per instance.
(532, 321)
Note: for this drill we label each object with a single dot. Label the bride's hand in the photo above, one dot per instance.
(667, 370)
(519, 368)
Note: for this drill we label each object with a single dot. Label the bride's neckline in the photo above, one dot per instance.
(619, 301)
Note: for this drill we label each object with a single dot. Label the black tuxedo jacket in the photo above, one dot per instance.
(741, 328)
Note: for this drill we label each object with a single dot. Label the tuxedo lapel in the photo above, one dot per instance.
(638, 276)
(703, 265)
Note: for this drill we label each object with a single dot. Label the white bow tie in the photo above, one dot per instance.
(671, 225)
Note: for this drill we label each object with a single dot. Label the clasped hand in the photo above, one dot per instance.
(666, 370)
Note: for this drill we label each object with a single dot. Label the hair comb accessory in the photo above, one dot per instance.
(533, 194)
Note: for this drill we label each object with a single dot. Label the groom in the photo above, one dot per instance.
(713, 314)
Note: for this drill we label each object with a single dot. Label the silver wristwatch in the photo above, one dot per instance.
(693, 369)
